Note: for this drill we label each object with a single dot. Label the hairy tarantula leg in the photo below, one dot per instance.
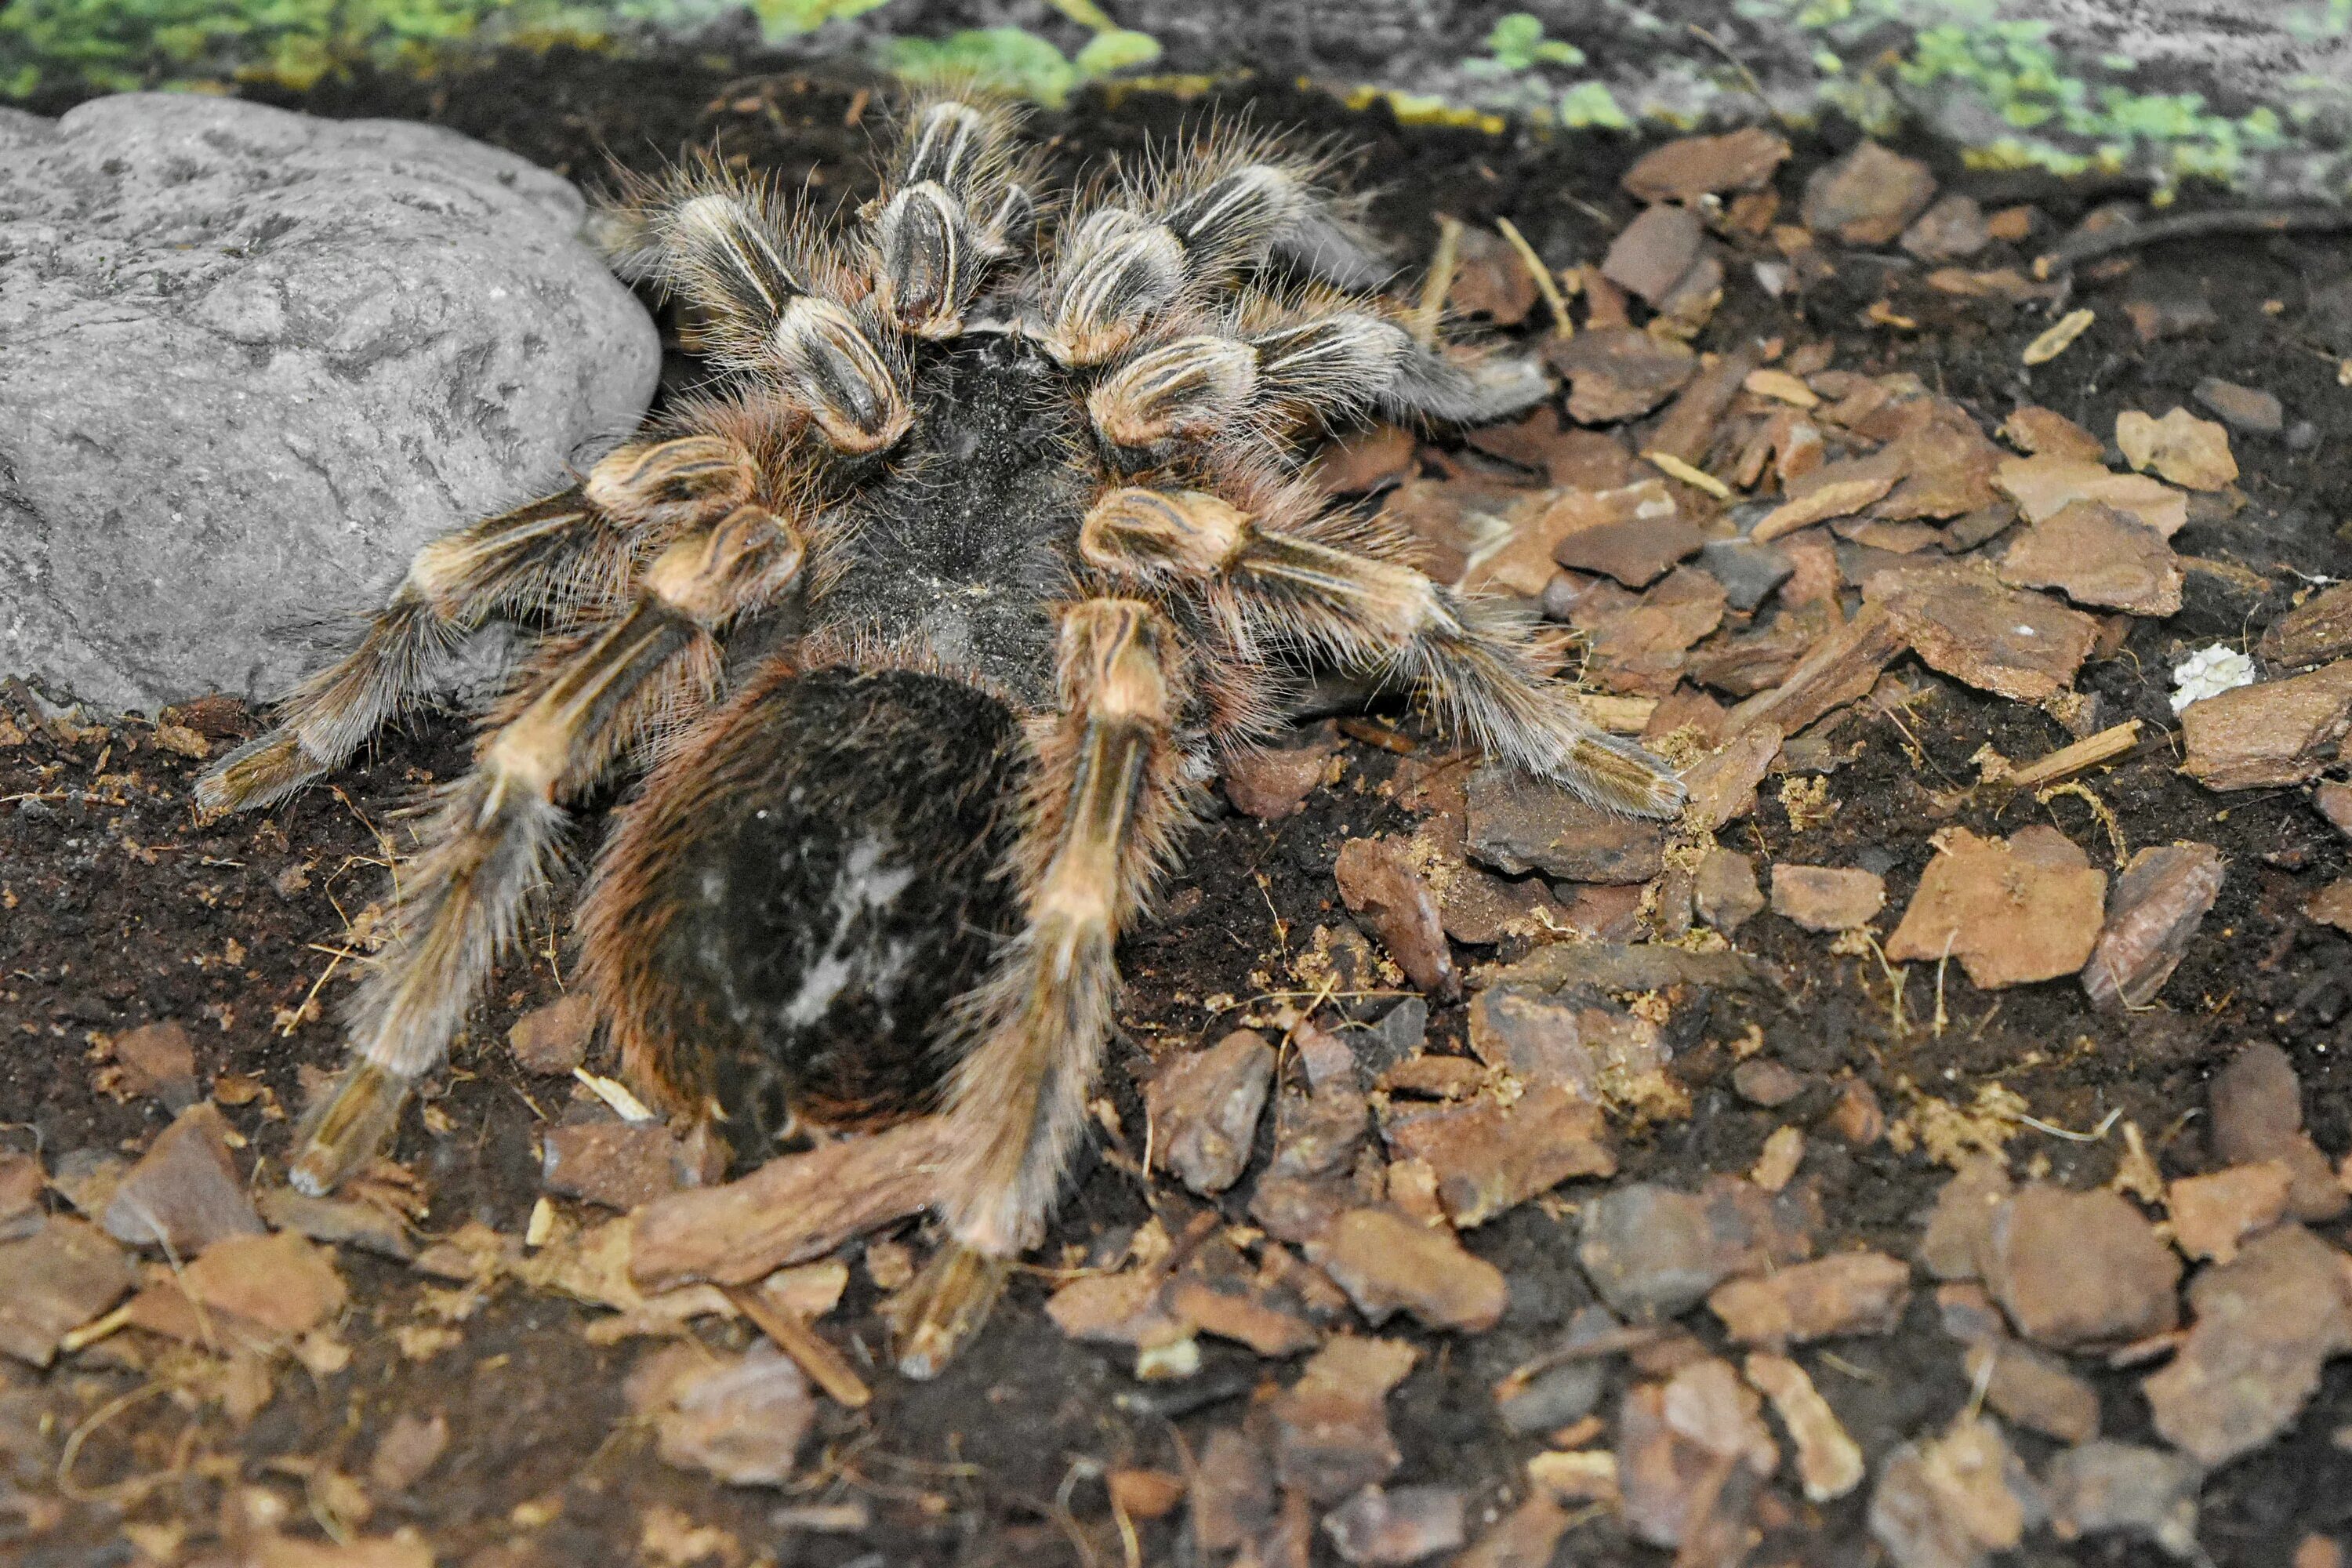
(1471, 656)
(1116, 270)
(954, 212)
(1272, 209)
(766, 284)
(496, 827)
(1428, 385)
(1333, 367)
(1107, 800)
(563, 549)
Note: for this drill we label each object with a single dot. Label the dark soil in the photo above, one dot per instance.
(121, 909)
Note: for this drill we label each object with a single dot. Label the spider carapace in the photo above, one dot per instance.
(926, 625)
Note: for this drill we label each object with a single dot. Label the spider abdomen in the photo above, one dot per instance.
(786, 914)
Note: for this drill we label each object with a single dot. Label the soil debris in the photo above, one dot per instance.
(2212, 1214)
(1724, 892)
(2031, 1388)
(2246, 408)
(1964, 622)
(1204, 1107)
(2270, 733)
(158, 1060)
(1404, 1524)
(2096, 554)
(1380, 884)
(1690, 167)
(2192, 452)
(1869, 197)
(1951, 1502)
(1329, 1430)
(739, 1417)
(183, 1194)
(2257, 1115)
(1618, 372)
(53, 1281)
(2108, 1487)
(552, 1041)
(1828, 1462)
(1827, 897)
(1274, 781)
(1654, 1252)
(2263, 1325)
(2153, 910)
(2318, 629)
(2011, 910)
(2079, 1269)
(1388, 1262)
(790, 1210)
(1844, 1293)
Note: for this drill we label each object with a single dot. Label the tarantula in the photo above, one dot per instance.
(926, 624)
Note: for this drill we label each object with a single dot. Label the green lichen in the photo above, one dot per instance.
(1014, 60)
(124, 44)
(1591, 103)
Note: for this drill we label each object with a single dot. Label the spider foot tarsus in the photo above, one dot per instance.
(943, 1306)
(346, 1128)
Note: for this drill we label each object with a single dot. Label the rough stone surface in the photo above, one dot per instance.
(1689, 167)
(1828, 1459)
(1387, 1263)
(1400, 1526)
(1654, 1252)
(741, 1418)
(1275, 780)
(621, 1164)
(1964, 623)
(159, 1060)
(1618, 372)
(1382, 887)
(1725, 892)
(1951, 230)
(2032, 1389)
(2212, 1214)
(2096, 554)
(1488, 1155)
(2248, 409)
(1329, 1429)
(2154, 908)
(550, 1041)
(1845, 1293)
(53, 1281)
(255, 361)
(2318, 628)
(1951, 1502)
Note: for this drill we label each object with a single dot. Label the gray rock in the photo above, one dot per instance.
(2102, 1486)
(253, 361)
(1748, 572)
